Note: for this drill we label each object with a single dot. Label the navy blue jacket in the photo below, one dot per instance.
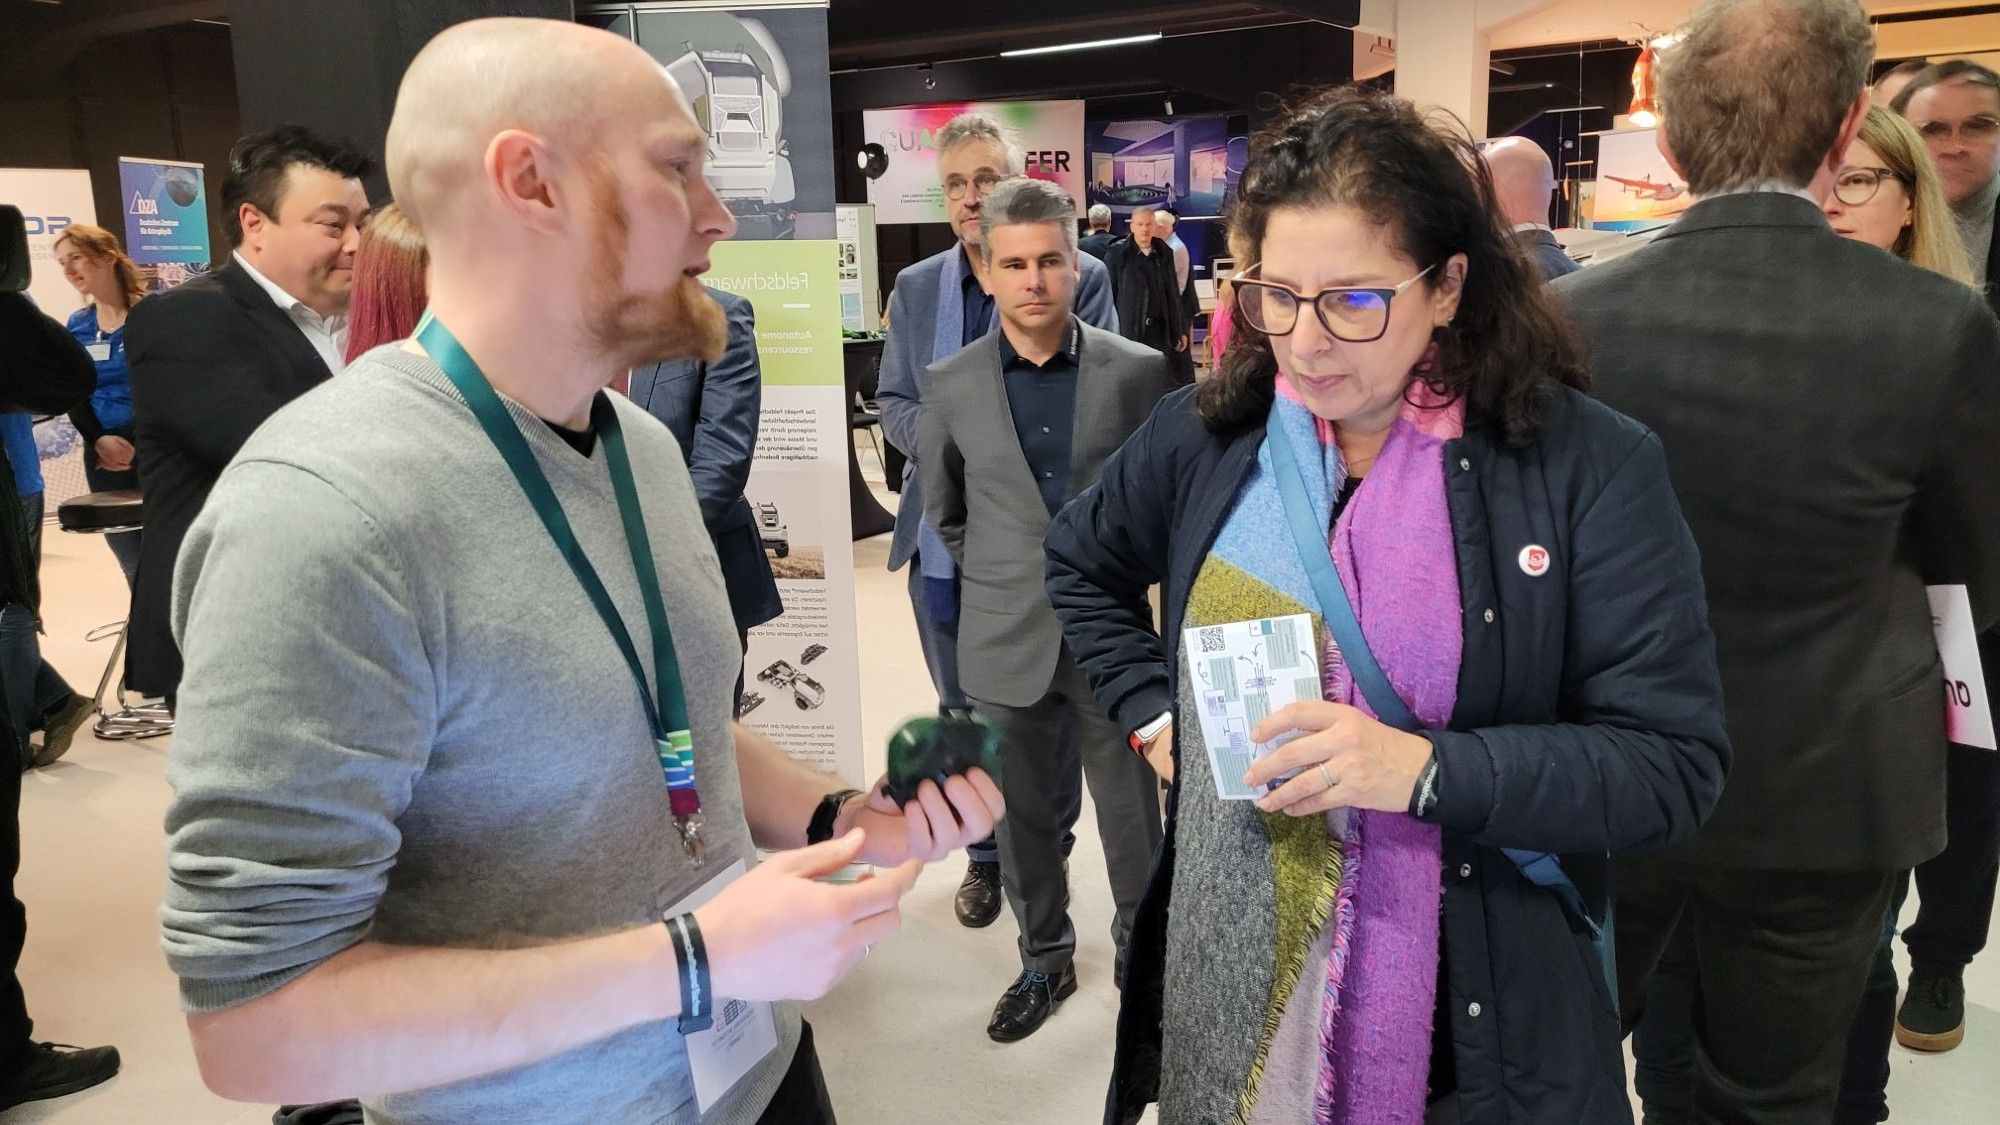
(1589, 717)
(713, 409)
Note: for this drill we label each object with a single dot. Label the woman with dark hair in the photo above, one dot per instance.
(389, 287)
(111, 284)
(1517, 676)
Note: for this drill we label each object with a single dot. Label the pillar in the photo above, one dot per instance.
(1442, 57)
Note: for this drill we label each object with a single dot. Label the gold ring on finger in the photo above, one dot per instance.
(1326, 777)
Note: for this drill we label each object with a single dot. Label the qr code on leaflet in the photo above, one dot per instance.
(1211, 640)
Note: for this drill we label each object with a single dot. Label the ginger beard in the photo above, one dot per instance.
(680, 322)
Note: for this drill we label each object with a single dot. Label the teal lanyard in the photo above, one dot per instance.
(673, 743)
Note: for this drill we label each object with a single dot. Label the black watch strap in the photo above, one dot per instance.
(820, 830)
(1425, 799)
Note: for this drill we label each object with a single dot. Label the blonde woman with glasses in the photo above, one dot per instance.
(1887, 194)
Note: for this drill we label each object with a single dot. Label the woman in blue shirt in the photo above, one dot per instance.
(111, 284)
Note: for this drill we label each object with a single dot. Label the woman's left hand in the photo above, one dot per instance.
(1370, 765)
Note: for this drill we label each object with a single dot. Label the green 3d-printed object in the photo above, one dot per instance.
(937, 748)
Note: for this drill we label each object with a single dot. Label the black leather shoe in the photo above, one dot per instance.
(1024, 1008)
(52, 1070)
(978, 900)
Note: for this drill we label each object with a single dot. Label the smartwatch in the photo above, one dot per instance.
(820, 829)
(1146, 734)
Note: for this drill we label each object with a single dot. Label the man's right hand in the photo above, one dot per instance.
(114, 454)
(776, 934)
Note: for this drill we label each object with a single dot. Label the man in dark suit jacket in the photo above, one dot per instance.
(1155, 307)
(1523, 180)
(713, 409)
(1832, 425)
(216, 357)
(938, 306)
(1013, 427)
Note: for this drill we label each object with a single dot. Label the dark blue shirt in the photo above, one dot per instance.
(978, 307)
(112, 401)
(1043, 402)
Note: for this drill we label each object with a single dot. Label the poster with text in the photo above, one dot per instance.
(756, 76)
(166, 218)
(1187, 165)
(1636, 188)
(51, 201)
(1050, 133)
(802, 678)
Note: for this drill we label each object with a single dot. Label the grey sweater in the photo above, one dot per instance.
(402, 720)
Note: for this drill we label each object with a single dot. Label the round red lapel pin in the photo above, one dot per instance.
(1534, 560)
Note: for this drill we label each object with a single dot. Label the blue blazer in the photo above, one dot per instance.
(1541, 248)
(907, 352)
(712, 409)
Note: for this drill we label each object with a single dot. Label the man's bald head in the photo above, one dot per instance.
(1523, 179)
(563, 83)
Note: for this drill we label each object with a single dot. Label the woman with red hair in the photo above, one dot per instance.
(389, 287)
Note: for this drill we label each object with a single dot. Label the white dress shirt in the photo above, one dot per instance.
(327, 334)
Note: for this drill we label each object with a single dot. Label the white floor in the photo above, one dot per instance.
(903, 1040)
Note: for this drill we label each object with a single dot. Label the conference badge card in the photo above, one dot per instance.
(1242, 672)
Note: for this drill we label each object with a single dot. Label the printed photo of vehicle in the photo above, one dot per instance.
(736, 78)
(771, 528)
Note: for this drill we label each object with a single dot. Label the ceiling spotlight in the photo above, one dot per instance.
(873, 160)
(930, 76)
(1170, 107)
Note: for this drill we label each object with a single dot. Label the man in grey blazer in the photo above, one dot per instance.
(940, 305)
(712, 409)
(1014, 426)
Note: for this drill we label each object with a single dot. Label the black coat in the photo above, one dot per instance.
(1589, 718)
(1154, 308)
(1097, 243)
(211, 361)
(1832, 423)
(43, 370)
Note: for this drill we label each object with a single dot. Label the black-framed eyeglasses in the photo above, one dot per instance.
(1355, 315)
(954, 188)
(1855, 184)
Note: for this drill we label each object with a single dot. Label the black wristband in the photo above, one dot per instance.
(691, 957)
(820, 830)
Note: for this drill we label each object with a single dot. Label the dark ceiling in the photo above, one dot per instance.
(41, 38)
(871, 34)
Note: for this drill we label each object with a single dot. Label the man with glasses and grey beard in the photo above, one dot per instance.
(1832, 427)
(939, 306)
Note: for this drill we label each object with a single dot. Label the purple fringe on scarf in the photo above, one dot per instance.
(1397, 558)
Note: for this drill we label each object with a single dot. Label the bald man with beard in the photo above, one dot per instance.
(461, 824)
(1523, 180)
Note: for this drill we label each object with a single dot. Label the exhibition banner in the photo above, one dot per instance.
(1051, 133)
(166, 214)
(1636, 188)
(51, 201)
(1187, 165)
(757, 78)
(802, 675)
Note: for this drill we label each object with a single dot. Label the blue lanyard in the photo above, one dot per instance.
(671, 739)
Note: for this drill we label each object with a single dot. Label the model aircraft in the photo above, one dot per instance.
(1647, 189)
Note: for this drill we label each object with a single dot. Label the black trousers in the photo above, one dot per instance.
(801, 1098)
(15, 1026)
(1781, 957)
(1954, 911)
(1955, 888)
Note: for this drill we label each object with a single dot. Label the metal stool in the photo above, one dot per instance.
(107, 513)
